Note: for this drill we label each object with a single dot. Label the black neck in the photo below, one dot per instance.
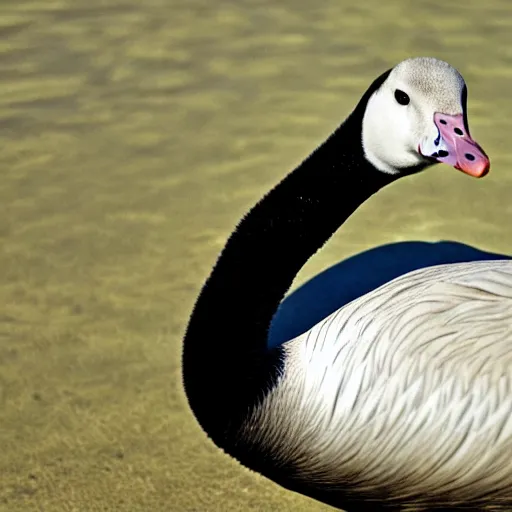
(226, 363)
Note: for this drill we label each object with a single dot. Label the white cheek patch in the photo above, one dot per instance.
(388, 138)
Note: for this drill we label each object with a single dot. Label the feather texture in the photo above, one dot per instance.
(405, 392)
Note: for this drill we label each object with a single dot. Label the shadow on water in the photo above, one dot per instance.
(360, 274)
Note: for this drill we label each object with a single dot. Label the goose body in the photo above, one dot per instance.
(401, 399)
(407, 388)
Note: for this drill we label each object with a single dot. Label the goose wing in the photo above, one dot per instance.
(407, 389)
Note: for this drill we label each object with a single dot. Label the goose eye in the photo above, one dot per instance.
(401, 97)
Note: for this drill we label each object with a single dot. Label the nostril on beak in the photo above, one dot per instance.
(443, 153)
(458, 131)
(469, 156)
(442, 121)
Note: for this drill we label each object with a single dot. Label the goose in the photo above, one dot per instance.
(402, 398)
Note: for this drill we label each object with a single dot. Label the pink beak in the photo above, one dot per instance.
(455, 147)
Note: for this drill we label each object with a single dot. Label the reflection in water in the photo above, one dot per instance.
(134, 135)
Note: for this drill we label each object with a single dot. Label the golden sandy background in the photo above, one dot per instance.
(133, 135)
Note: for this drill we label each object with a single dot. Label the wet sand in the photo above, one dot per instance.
(133, 136)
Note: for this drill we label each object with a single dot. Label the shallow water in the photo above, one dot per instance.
(133, 136)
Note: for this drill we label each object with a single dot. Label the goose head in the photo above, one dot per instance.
(418, 117)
